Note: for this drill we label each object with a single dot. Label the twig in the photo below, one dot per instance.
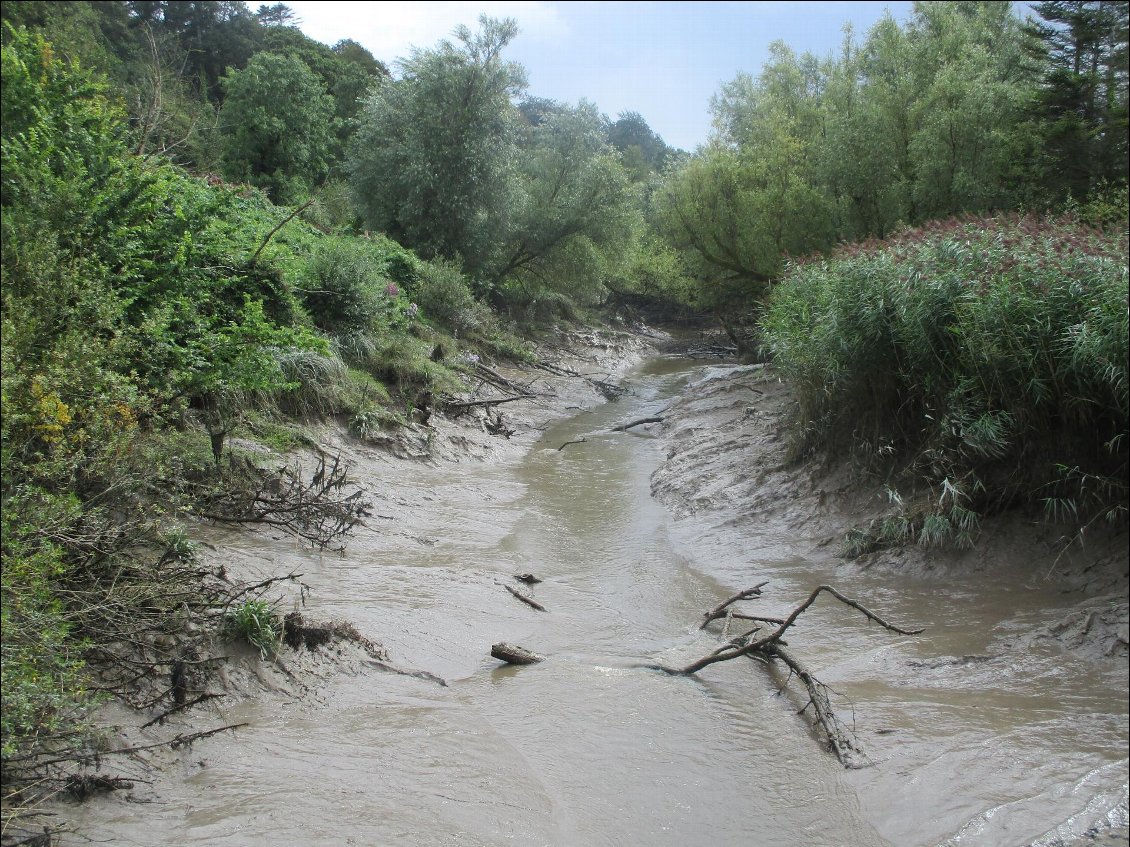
(161, 717)
(718, 610)
(576, 441)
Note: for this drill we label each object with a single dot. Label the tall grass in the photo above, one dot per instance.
(986, 357)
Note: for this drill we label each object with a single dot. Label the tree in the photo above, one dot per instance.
(433, 162)
(278, 124)
(1081, 106)
(573, 208)
(277, 14)
(971, 81)
(215, 35)
(643, 150)
(753, 196)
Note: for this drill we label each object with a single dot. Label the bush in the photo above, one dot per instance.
(989, 354)
(444, 296)
(341, 285)
(258, 624)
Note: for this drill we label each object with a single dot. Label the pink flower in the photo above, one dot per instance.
(391, 290)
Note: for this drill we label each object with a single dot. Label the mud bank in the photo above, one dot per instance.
(1016, 629)
(993, 729)
(431, 487)
(728, 452)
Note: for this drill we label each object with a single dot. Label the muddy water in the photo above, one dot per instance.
(979, 734)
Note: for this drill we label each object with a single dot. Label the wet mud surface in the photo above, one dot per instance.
(1005, 723)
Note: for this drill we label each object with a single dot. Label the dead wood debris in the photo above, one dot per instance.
(515, 655)
(772, 648)
(621, 428)
(529, 601)
(299, 633)
(640, 422)
(314, 509)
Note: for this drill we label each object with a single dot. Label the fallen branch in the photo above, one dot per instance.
(640, 422)
(390, 668)
(575, 441)
(498, 380)
(759, 644)
(529, 601)
(719, 611)
(471, 404)
(838, 739)
(284, 222)
(772, 647)
(180, 708)
(314, 510)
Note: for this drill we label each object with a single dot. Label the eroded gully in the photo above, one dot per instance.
(584, 749)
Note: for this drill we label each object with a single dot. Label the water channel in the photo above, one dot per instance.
(978, 736)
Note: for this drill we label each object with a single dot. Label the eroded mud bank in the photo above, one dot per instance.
(994, 727)
(1006, 721)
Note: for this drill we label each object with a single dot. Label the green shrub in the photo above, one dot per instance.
(342, 284)
(444, 296)
(987, 355)
(257, 622)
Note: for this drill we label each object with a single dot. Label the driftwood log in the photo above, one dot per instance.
(640, 422)
(514, 655)
(621, 428)
(529, 601)
(772, 647)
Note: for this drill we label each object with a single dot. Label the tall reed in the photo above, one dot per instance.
(985, 357)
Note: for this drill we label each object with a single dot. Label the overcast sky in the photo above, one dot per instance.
(664, 60)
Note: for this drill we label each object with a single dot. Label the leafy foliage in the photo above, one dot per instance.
(432, 162)
(278, 124)
(258, 624)
(986, 356)
(1081, 104)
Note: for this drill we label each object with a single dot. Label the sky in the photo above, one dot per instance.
(664, 60)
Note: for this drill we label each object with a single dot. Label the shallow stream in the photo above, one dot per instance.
(979, 735)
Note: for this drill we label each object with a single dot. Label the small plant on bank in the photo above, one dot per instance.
(259, 624)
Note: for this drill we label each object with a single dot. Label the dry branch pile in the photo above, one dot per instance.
(150, 614)
(316, 510)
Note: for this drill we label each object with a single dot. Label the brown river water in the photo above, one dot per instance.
(978, 734)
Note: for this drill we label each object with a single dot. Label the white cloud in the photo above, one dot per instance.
(390, 29)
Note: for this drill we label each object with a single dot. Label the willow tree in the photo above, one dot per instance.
(751, 197)
(433, 163)
(574, 210)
